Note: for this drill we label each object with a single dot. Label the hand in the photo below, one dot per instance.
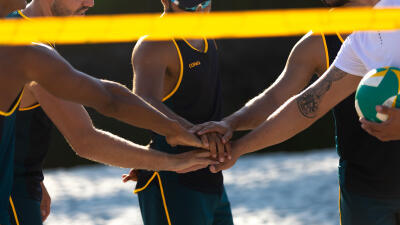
(217, 149)
(45, 203)
(388, 130)
(181, 136)
(132, 176)
(221, 127)
(227, 164)
(191, 161)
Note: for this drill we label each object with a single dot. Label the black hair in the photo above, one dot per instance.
(334, 3)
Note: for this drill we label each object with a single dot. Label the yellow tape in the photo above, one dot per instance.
(267, 23)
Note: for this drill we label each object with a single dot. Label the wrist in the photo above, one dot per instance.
(239, 149)
(167, 162)
(232, 122)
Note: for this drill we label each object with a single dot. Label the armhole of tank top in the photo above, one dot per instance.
(340, 37)
(29, 108)
(15, 106)
(180, 73)
(29, 19)
(326, 50)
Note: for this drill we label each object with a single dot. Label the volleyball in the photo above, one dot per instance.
(379, 87)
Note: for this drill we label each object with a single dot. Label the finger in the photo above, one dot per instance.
(202, 154)
(227, 137)
(365, 124)
(198, 127)
(212, 129)
(384, 109)
(191, 169)
(228, 150)
(220, 147)
(204, 140)
(214, 169)
(212, 145)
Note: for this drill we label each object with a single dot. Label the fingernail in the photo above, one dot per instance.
(229, 157)
(221, 159)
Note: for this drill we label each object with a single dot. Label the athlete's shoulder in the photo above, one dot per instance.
(310, 43)
(308, 51)
(149, 49)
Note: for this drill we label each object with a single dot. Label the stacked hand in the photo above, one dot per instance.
(212, 137)
(385, 131)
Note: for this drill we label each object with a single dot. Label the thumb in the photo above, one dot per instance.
(215, 168)
(384, 109)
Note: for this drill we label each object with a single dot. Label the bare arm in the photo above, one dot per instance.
(75, 124)
(150, 61)
(301, 111)
(303, 62)
(306, 59)
(48, 68)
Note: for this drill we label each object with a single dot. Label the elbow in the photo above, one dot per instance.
(84, 144)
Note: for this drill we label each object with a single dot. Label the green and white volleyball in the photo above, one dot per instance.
(379, 87)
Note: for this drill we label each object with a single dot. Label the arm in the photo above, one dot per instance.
(301, 111)
(305, 60)
(297, 113)
(57, 76)
(45, 204)
(75, 124)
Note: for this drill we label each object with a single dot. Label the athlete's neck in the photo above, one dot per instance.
(38, 8)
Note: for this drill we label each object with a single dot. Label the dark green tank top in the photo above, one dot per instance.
(7, 146)
(197, 98)
(33, 131)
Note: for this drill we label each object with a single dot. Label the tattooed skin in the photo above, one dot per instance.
(308, 102)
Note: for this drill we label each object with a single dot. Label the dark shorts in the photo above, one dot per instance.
(362, 210)
(185, 206)
(26, 205)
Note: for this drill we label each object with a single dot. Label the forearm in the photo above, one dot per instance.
(301, 111)
(253, 113)
(276, 129)
(107, 148)
(160, 106)
(133, 110)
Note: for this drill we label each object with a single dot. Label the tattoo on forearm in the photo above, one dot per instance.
(309, 101)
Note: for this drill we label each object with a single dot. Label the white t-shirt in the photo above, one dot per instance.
(364, 51)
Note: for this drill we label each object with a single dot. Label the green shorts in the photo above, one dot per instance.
(184, 205)
(362, 210)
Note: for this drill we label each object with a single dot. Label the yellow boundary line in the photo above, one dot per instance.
(245, 24)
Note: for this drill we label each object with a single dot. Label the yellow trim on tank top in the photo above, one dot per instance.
(191, 46)
(340, 37)
(326, 50)
(178, 84)
(14, 107)
(29, 108)
(14, 211)
(27, 18)
(326, 47)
